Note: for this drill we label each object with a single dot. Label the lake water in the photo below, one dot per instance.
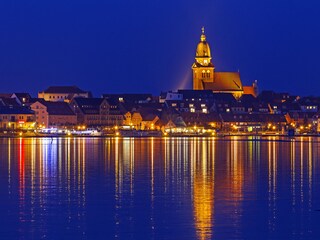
(160, 188)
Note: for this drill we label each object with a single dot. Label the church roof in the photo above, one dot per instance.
(224, 81)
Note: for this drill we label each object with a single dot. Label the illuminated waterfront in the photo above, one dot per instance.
(159, 188)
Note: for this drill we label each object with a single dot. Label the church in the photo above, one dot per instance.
(206, 78)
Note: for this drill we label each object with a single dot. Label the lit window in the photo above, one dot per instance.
(204, 110)
(227, 110)
(192, 110)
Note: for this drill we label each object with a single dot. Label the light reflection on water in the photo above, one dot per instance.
(163, 188)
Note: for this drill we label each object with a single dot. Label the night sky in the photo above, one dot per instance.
(149, 45)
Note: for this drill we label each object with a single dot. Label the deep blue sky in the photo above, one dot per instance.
(149, 45)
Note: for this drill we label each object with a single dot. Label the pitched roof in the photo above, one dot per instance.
(148, 114)
(247, 98)
(10, 102)
(23, 95)
(15, 110)
(89, 105)
(58, 108)
(64, 89)
(223, 97)
(224, 81)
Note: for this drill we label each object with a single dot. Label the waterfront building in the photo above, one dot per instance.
(96, 112)
(16, 117)
(53, 114)
(63, 93)
(211, 120)
(206, 78)
(255, 122)
(143, 119)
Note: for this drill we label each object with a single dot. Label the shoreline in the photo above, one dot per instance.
(220, 136)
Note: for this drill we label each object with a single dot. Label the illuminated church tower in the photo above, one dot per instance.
(203, 69)
(205, 77)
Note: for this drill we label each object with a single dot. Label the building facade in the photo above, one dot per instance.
(53, 114)
(16, 118)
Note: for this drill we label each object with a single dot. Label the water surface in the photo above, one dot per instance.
(159, 188)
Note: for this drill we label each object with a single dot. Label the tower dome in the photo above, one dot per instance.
(203, 48)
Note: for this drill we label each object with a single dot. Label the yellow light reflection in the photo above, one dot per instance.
(203, 189)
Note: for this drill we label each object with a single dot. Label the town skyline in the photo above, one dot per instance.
(150, 47)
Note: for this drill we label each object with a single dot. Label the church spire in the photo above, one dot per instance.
(203, 36)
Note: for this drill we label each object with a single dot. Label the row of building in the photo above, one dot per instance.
(71, 107)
